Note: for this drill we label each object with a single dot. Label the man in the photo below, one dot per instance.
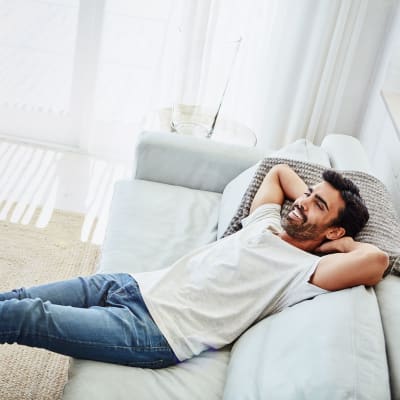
(209, 297)
(324, 219)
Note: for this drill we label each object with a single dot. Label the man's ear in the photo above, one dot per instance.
(335, 232)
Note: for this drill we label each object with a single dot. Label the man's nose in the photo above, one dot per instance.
(303, 203)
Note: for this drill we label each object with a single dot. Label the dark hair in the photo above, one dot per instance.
(354, 215)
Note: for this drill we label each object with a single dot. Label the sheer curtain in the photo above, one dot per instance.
(294, 64)
(86, 73)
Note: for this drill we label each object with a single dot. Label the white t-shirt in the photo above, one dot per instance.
(209, 297)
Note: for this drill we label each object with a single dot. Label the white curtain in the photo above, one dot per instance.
(294, 63)
(88, 73)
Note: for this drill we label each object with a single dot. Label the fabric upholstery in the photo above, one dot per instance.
(153, 224)
(346, 152)
(200, 378)
(303, 150)
(196, 163)
(388, 294)
(328, 348)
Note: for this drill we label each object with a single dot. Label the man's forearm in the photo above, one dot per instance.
(280, 182)
(291, 183)
(352, 263)
(347, 244)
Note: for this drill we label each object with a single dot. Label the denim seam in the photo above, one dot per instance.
(136, 348)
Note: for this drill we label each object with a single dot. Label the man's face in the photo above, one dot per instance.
(313, 213)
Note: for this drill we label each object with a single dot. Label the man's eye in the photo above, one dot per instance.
(307, 193)
(320, 206)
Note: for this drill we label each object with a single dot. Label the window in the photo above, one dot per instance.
(80, 73)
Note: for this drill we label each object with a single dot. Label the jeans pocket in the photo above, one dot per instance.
(119, 297)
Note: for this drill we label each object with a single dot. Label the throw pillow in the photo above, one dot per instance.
(383, 227)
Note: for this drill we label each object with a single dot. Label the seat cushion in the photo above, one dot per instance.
(202, 377)
(153, 224)
(331, 347)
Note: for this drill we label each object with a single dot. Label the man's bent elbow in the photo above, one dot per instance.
(383, 260)
(281, 168)
(381, 263)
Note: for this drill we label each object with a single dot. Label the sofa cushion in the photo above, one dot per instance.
(202, 377)
(193, 162)
(153, 224)
(383, 227)
(331, 347)
(301, 149)
(388, 294)
(346, 152)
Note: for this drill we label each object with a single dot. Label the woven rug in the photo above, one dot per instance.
(31, 256)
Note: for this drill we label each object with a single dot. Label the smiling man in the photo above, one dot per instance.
(209, 297)
(324, 219)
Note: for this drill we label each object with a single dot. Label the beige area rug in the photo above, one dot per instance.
(31, 256)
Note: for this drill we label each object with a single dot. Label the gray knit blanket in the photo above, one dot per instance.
(383, 227)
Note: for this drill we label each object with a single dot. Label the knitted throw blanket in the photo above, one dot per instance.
(383, 227)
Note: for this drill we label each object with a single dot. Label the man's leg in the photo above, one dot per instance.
(121, 332)
(81, 292)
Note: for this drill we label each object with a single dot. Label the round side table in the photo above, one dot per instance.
(225, 130)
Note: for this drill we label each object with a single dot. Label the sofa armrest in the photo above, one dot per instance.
(196, 163)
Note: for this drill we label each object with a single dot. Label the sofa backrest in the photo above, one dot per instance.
(204, 164)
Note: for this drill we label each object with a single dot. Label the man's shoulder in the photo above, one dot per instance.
(268, 214)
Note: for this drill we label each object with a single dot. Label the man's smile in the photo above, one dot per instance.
(297, 214)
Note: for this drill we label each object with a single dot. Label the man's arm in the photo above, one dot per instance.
(353, 264)
(280, 182)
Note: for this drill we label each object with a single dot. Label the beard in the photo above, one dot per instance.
(301, 230)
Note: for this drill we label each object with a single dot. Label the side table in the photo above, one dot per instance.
(227, 131)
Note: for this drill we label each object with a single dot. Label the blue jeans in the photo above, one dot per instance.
(101, 317)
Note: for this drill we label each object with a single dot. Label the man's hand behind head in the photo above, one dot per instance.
(344, 244)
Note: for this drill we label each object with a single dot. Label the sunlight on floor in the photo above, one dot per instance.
(34, 177)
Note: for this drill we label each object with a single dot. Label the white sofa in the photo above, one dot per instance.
(340, 345)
